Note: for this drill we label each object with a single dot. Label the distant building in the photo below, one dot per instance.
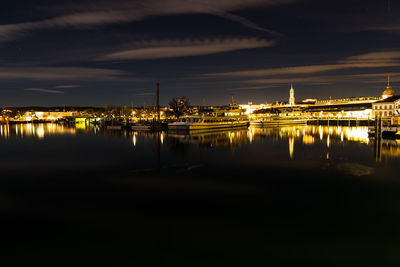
(291, 98)
(386, 108)
(250, 107)
(389, 104)
(348, 100)
(46, 115)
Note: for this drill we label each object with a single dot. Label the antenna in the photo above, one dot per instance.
(389, 79)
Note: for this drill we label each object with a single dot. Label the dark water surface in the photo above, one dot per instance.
(295, 196)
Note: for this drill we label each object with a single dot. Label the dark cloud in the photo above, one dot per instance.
(173, 49)
(42, 90)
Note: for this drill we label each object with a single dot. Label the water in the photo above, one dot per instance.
(294, 196)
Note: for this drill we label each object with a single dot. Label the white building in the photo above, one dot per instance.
(387, 107)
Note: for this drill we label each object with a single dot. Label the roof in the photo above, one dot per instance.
(389, 99)
(345, 107)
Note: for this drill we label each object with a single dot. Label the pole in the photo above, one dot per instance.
(158, 102)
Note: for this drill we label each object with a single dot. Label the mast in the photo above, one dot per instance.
(158, 101)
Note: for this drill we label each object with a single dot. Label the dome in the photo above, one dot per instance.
(389, 92)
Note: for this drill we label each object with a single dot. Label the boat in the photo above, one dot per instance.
(205, 123)
(279, 121)
(390, 132)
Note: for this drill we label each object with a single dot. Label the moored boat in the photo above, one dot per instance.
(204, 123)
(391, 132)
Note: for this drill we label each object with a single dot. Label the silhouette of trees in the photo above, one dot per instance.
(179, 106)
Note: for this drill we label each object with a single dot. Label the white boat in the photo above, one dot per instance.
(202, 123)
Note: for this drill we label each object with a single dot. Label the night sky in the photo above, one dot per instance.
(112, 52)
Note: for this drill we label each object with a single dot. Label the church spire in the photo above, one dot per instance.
(291, 98)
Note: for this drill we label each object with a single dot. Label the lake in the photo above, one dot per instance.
(291, 196)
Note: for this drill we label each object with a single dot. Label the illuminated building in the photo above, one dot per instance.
(389, 92)
(291, 98)
(250, 107)
(342, 111)
(389, 105)
(349, 100)
(46, 115)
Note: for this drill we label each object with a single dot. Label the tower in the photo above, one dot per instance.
(291, 98)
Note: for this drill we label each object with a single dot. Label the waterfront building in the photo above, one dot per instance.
(250, 107)
(348, 100)
(340, 111)
(387, 107)
(46, 115)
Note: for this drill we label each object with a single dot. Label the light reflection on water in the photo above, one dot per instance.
(232, 139)
(40, 130)
(258, 186)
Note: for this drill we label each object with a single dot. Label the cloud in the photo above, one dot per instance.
(173, 49)
(143, 94)
(377, 78)
(316, 80)
(252, 88)
(45, 90)
(66, 86)
(105, 13)
(370, 60)
(59, 73)
(391, 28)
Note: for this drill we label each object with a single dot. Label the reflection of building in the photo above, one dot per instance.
(222, 138)
(39, 130)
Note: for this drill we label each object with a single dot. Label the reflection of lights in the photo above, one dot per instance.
(250, 134)
(341, 136)
(308, 139)
(134, 140)
(328, 141)
(162, 138)
(231, 135)
(291, 147)
(40, 132)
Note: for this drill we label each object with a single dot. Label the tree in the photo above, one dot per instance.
(179, 106)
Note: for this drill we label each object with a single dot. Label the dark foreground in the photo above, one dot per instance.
(96, 200)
